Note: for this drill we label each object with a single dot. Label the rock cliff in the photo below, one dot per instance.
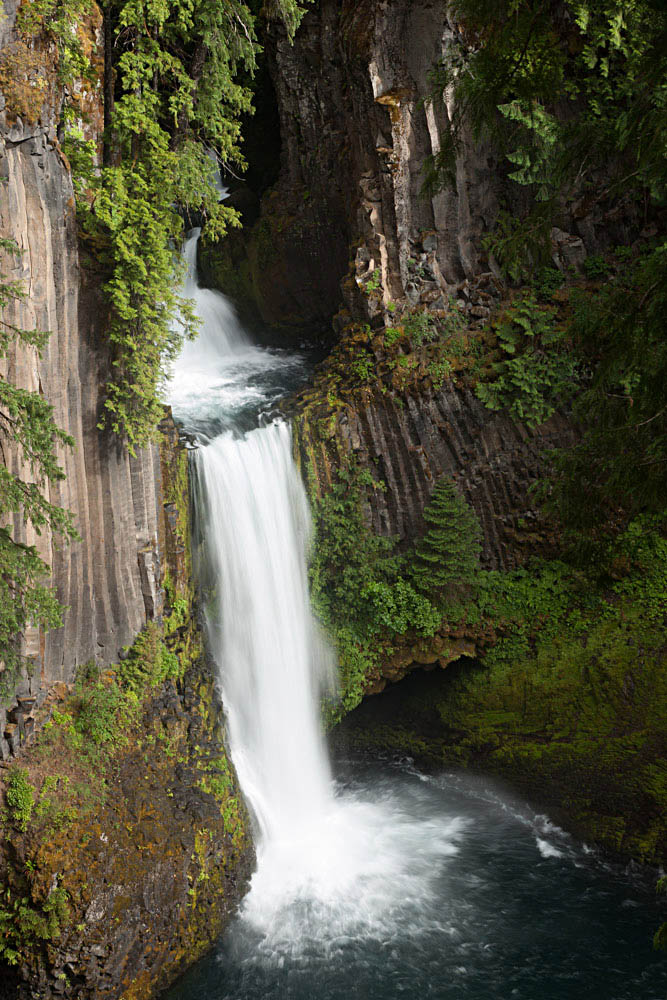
(357, 125)
(110, 581)
(558, 702)
(409, 436)
(131, 846)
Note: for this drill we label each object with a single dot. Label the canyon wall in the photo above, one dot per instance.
(110, 581)
(358, 120)
(348, 232)
(356, 127)
(564, 702)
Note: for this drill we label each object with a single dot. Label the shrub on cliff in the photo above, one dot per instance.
(20, 798)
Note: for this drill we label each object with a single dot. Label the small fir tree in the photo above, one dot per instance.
(448, 553)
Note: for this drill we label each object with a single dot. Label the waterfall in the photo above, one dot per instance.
(391, 883)
(329, 865)
(272, 664)
(221, 333)
(253, 513)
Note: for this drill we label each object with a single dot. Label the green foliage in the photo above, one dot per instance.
(419, 327)
(105, 714)
(604, 61)
(180, 73)
(218, 781)
(289, 12)
(82, 156)
(522, 246)
(27, 430)
(24, 922)
(537, 373)
(573, 95)
(547, 281)
(149, 662)
(362, 367)
(595, 266)
(439, 371)
(448, 554)
(552, 599)
(55, 20)
(620, 463)
(359, 586)
(20, 798)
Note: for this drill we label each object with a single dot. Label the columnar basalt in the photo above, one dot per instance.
(109, 582)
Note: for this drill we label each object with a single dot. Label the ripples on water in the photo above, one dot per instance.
(419, 886)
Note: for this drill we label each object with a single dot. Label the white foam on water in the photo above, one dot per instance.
(547, 850)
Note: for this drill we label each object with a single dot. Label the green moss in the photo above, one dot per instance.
(569, 700)
(219, 781)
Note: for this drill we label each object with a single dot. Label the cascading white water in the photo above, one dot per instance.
(328, 864)
(221, 333)
(274, 667)
(254, 515)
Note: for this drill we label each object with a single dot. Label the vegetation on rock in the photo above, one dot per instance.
(574, 94)
(570, 700)
(127, 775)
(366, 592)
(603, 59)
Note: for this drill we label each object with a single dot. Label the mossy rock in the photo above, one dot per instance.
(586, 741)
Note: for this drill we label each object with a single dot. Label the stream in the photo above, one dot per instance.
(373, 880)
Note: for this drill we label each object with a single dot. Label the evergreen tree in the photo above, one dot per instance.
(28, 438)
(449, 551)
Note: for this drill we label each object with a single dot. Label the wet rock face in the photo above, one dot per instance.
(493, 460)
(110, 581)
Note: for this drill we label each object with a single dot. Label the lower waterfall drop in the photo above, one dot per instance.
(273, 666)
(331, 864)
